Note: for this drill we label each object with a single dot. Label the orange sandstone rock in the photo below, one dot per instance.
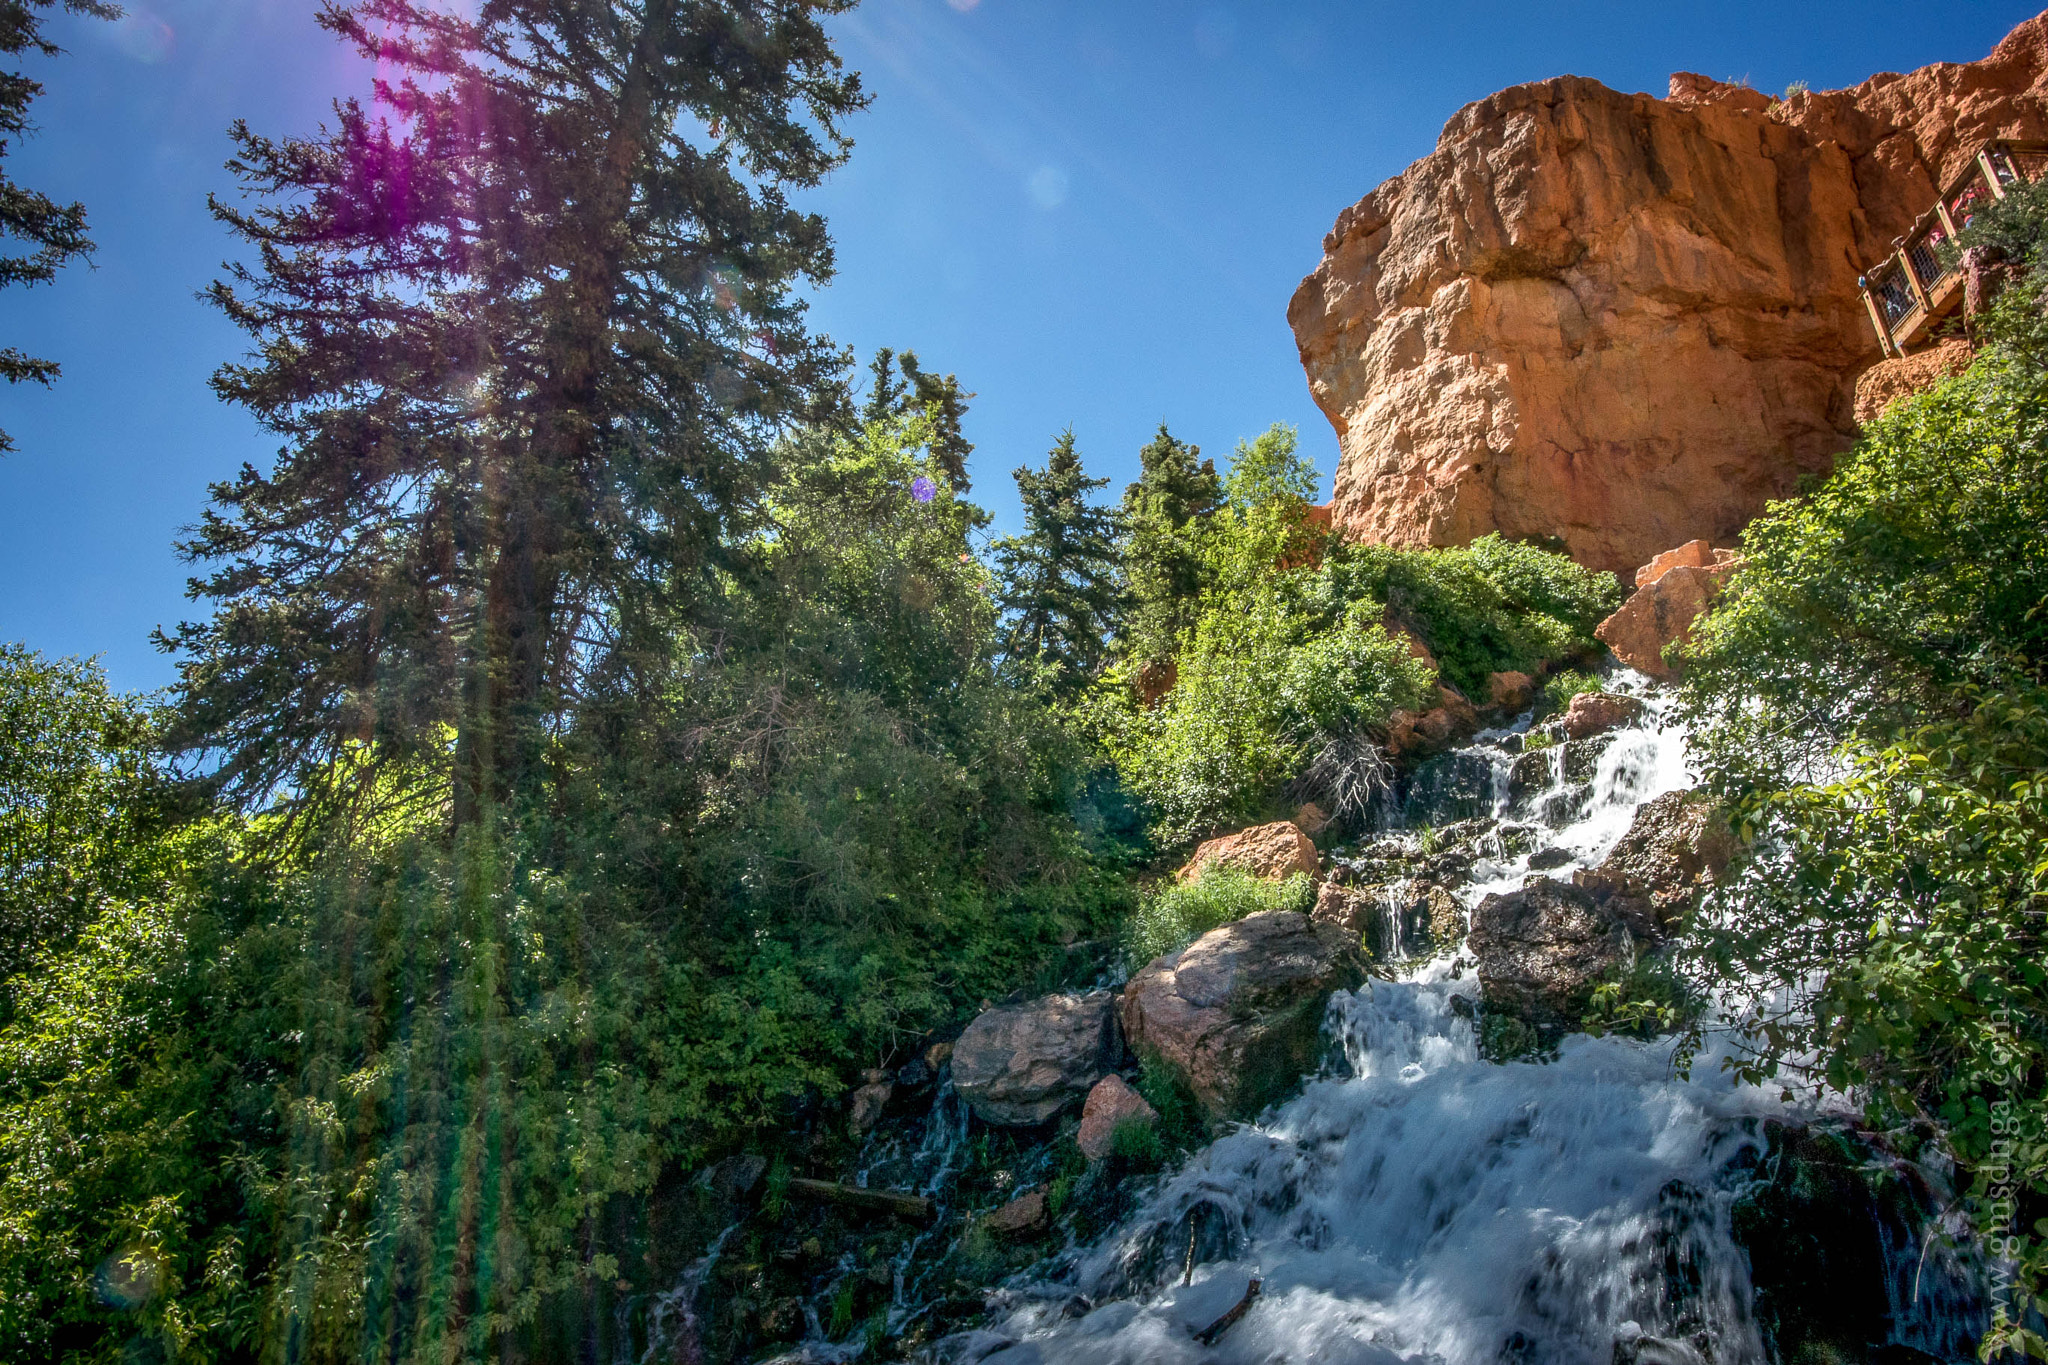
(1886, 382)
(1661, 612)
(1111, 1103)
(1624, 321)
(1273, 852)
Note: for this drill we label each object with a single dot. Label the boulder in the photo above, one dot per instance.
(1888, 381)
(1272, 852)
(1111, 1103)
(1542, 949)
(1661, 613)
(865, 1107)
(1413, 734)
(1019, 1065)
(1694, 554)
(1348, 907)
(1311, 819)
(1593, 713)
(1238, 1013)
(1020, 1217)
(1510, 693)
(1679, 843)
(1623, 321)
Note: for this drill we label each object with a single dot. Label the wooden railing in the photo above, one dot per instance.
(1919, 284)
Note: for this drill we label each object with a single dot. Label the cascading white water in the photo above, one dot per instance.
(1423, 1204)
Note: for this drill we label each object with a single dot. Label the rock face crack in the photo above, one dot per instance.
(1708, 325)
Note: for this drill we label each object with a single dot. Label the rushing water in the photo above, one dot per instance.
(1420, 1204)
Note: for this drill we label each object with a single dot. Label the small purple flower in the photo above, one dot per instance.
(923, 489)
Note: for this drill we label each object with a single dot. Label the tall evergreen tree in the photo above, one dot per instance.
(1060, 578)
(1163, 514)
(54, 232)
(526, 332)
(938, 398)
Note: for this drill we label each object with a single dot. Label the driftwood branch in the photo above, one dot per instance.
(1207, 1336)
(914, 1207)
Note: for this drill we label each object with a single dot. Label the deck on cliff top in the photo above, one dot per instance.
(1918, 285)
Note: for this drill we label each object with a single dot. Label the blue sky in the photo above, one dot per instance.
(1093, 212)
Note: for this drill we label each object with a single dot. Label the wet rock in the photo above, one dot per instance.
(1413, 920)
(1678, 843)
(1019, 1065)
(1582, 756)
(1593, 713)
(1542, 949)
(937, 1055)
(734, 1178)
(865, 1107)
(1110, 1104)
(783, 1320)
(1510, 693)
(1273, 852)
(1348, 907)
(1535, 771)
(915, 1074)
(1238, 1013)
(1544, 860)
(1452, 721)
(1022, 1216)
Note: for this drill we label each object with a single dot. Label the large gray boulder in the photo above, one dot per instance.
(1542, 949)
(1238, 1013)
(1019, 1065)
(1678, 844)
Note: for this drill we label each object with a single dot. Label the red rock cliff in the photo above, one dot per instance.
(1628, 321)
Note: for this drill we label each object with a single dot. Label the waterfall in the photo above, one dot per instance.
(1419, 1203)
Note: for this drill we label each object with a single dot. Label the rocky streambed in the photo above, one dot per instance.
(1370, 1132)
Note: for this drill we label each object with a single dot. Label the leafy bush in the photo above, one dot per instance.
(1559, 689)
(1871, 697)
(1493, 606)
(1179, 913)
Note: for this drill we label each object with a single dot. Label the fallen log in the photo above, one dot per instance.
(1207, 1336)
(914, 1207)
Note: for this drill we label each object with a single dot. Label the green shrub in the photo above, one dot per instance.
(1182, 1124)
(1559, 690)
(1177, 914)
(1136, 1143)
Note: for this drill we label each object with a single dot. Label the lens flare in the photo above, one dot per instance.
(128, 1279)
(1048, 187)
(923, 489)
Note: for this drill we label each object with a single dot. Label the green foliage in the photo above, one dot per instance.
(936, 398)
(1921, 565)
(1061, 586)
(1492, 606)
(1286, 668)
(1644, 998)
(80, 801)
(1260, 691)
(1560, 688)
(1504, 1038)
(1183, 1126)
(525, 335)
(1869, 698)
(2015, 228)
(1178, 913)
(1164, 516)
(1136, 1143)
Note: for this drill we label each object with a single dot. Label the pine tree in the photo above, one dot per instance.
(1061, 591)
(937, 397)
(55, 231)
(1163, 514)
(527, 334)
